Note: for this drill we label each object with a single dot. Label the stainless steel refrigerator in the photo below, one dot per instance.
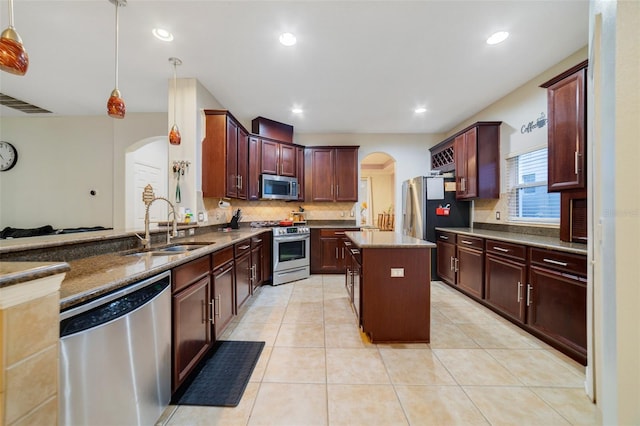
(421, 197)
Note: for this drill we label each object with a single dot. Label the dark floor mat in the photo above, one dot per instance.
(224, 376)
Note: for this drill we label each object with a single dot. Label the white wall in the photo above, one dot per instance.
(614, 127)
(61, 159)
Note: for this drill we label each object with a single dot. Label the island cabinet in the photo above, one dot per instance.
(191, 294)
(395, 294)
(244, 272)
(567, 112)
(460, 262)
(477, 160)
(328, 253)
(505, 278)
(333, 173)
(557, 300)
(225, 156)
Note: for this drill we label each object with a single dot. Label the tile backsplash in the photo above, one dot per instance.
(277, 210)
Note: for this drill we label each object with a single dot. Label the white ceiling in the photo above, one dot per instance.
(358, 66)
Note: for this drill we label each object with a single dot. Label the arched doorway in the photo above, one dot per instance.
(376, 193)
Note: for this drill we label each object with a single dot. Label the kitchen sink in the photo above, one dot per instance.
(167, 250)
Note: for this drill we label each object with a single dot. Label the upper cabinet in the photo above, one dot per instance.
(477, 160)
(333, 173)
(224, 156)
(566, 102)
(278, 158)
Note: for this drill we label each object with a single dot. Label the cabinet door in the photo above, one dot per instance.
(566, 133)
(253, 178)
(300, 171)
(287, 160)
(466, 153)
(505, 285)
(243, 279)
(330, 249)
(191, 328)
(267, 261)
(256, 265)
(346, 174)
(470, 271)
(446, 259)
(322, 174)
(232, 158)
(243, 164)
(224, 303)
(557, 307)
(269, 156)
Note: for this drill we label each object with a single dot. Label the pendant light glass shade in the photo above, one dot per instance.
(174, 133)
(13, 56)
(115, 105)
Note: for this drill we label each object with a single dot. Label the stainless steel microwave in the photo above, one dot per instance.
(274, 187)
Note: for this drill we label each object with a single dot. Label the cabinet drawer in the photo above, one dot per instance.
(337, 232)
(223, 256)
(256, 241)
(242, 247)
(188, 273)
(470, 242)
(565, 262)
(446, 237)
(514, 251)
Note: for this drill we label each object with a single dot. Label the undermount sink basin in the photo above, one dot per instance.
(168, 250)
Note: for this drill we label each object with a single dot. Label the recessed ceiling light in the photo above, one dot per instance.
(296, 110)
(420, 110)
(498, 37)
(287, 39)
(162, 34)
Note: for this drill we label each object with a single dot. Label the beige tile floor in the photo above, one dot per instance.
(317, 369)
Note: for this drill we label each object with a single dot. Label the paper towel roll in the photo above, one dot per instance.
(224, 204)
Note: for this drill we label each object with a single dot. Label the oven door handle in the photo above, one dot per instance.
(282, 238)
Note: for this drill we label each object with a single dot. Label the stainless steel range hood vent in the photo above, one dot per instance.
(27, 108)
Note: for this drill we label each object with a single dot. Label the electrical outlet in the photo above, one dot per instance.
(397, 272)
(342, 214)
(497, 215)
(180, 234)
(192, 231)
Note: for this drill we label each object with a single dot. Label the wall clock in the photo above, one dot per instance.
(8, 156)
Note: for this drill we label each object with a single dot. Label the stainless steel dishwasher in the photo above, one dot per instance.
(115, 356)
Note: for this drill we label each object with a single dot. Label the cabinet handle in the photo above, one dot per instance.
(218, 310)
(519, 292)
(456, 265)
(211, 318)
(258, 240)
(504, 250)
(204, 311)
(332, 190)
(444, 237)
(337, 253)
(555, 262)
(337, 190)
(451, 263)
(528, 294)
(244, 247)
(575, 156)
(338, 233)
(467, 242)
(343, 252)
(463, 185)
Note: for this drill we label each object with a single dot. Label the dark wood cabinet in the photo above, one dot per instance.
(477, 160)
(446, 256)
(300, 171)
(191, 286)
(278, 158)
(267, 253)
(257, 262)
(566, 104)
(505, 282)
(224, 156)
(243, 267)
(353, 277)
(334, 173)
(328, 253)
(470, 265)
(223, 301)
(557, 299)
(253, 175)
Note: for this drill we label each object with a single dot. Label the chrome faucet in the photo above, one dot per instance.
(148, 197)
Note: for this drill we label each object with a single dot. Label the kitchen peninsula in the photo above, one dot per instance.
(392, 291)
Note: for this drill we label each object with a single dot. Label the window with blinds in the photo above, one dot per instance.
(529, 200)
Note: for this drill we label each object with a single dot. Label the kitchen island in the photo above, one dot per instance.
(393, 294)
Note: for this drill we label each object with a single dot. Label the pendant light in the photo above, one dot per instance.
(115, 104)
(13, 56)
(174, 133)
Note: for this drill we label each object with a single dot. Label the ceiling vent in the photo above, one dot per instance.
(21, 105)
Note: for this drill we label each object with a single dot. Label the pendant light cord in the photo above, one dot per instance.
(175, 88)
(11, 14)
(117, 3)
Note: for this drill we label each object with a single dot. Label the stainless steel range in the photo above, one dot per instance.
(290, 253)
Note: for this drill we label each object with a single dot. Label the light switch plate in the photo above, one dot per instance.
(397, 272)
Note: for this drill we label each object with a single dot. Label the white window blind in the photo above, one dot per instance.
(529, 200)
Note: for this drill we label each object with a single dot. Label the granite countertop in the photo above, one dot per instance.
(550, 243)
(12, 273)
(94, 276)
(332, 224)
(386, 239)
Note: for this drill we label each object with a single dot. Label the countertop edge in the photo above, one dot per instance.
(29, 271)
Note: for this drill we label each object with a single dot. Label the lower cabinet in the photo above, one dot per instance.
(244, 272)
(460, 262)
(257, 262)
(328, 253)
(446, 249)
(191, 293)
(504, 285)
(223, 302)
